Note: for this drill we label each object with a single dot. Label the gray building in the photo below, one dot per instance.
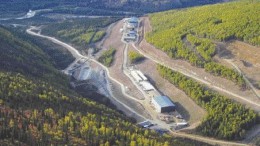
(163, 104)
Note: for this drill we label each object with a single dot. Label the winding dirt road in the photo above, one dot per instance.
(245, 78)
(175, 68)
(196, 78)
(77, 55)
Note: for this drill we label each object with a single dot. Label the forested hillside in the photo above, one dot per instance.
(225, 119)
(136, 6)
(81, 32)
(21, 56)
(201, 26)
(38, 108)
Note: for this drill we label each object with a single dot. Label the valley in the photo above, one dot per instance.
(123, 84)
(207, 75)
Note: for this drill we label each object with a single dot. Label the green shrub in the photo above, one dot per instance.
(107, 57)
(135, 57)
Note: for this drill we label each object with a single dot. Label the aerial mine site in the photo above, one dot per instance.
(130, 73)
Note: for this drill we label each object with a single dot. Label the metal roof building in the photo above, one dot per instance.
(163, 104)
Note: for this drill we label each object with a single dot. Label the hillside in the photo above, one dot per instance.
(136, 6)
(83, 33)
(190, 34)
(38, 108)
(225, 119)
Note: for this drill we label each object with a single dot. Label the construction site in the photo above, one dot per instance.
(138, 90)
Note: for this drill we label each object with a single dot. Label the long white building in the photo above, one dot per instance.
(135, 75)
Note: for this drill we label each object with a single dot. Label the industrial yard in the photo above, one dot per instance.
(162, 107)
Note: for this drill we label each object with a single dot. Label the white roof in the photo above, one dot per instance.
(141, 75)
(133, 20)
(130, 37)
(130, 25)
(136, 76)
(132, 32)
(147, 86)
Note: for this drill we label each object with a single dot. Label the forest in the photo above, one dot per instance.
(200, 26)
(107, 57)
(80, 32)
(100, 7)
(58, 56)
(225, 118)
(20, 55)
(37, 106)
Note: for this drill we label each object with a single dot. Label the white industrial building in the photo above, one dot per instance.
(146, 86)
(163, 104)
(138, 75)
(142, 80)
(135, 75)
(141, 75)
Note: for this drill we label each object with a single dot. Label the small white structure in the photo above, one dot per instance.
(130, 37)
(131, 23)
(132, 32)
(182, 124)
(130, 26)
(142, 80)
(141, 75)
(131, 20)
(135, 75)
(147, 86)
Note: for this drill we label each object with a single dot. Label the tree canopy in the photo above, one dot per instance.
(201, 26)
(225, 118)
(37, 107)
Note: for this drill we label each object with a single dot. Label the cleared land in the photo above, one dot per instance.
(114, 41)
(187, 107)
(125, 105)
(198, 72)
(243, 57)
(247, 58)
(179, 134)
(223, 83)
